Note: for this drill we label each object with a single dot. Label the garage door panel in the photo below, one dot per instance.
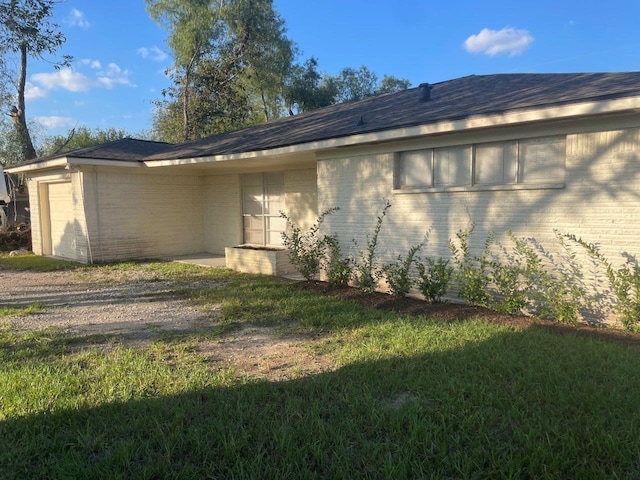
(63, 243)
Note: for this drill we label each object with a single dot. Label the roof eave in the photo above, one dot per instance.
(67, 162)
(502, 119)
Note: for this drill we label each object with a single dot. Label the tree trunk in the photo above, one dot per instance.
(18, 114)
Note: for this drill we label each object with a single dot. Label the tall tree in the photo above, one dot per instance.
(307, 89)
(27, 31)
(228, 55)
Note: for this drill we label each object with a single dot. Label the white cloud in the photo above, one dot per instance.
(114, 75)
(494, 42)
(76, 18)
(54, 121)
(156, 54)
(73, 81)
(92, 63)
(32, 92)
(64, 78)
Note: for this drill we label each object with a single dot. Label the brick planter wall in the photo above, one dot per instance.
(253, 260)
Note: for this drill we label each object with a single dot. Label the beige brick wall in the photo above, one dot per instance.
(600, 203)
(301, 196)
(134, 215)
(266, 262)
(222, 213)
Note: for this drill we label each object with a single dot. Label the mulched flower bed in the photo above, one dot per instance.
(454, 312)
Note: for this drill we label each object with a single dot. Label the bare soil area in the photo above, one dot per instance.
(136, 309)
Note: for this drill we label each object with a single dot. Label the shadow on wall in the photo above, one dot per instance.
(492, 405)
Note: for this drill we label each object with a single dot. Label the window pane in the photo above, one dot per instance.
(249, 179)
(274, 199)
(274, 178)
(495, 163)
(414, 169)
(275, 227)
(253, 230)
(542, 160)
(452, 166)
(252, 200)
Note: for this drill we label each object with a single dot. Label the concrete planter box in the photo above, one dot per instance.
(267, 261)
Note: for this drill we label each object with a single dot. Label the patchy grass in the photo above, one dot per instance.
(412, 398)
(30, 309)
(35, 263)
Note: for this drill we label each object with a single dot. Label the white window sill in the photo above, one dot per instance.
(479, 188)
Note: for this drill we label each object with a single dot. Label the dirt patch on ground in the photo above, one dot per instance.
(137, 308)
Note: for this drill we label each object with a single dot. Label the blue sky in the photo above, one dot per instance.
(120, 53)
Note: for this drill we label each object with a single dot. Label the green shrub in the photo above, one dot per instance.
(512, 277)
(398, 275)
(554, 285)
(471, 274)
(625, 283)
(306, 250)
(338, 269)
(366, 272)
(433, 278)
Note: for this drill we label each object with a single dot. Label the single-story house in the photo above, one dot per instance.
(525, 152)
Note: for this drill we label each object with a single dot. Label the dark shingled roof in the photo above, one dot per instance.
(450, 100)
(126, 149)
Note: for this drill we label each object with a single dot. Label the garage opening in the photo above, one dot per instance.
(58, 220)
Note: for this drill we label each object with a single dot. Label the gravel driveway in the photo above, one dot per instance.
(135, 307)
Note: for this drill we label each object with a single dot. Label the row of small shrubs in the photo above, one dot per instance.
(522, 277)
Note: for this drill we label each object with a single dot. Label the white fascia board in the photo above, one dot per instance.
(67, 162)
(49, 164)
(104, 163)
(513, 118)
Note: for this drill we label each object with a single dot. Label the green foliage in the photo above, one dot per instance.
(82, 137)
(562, 293)
(306, 250)
(551, 287)
(433, 278)
(231, 61)
(471, 274)
(337, 268)
(625, 282)
(36, 263)
(26, 30)
(626, 286)
(512, 277)
(30, 309)
(398, 274)
(366, 271)
(307, 89)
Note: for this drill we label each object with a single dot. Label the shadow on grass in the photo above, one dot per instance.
(511, 404)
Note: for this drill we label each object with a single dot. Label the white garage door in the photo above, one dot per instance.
(63, 237)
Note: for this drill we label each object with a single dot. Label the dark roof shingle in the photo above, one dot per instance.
(450, 100)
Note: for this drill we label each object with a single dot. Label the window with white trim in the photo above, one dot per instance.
(537, 162)
(262, 201)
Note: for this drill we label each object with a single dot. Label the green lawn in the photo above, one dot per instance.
(412, 398)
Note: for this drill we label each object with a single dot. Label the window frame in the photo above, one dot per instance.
(517, 183)
(263, 217)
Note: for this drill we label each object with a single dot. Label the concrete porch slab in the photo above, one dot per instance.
(201, 259)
